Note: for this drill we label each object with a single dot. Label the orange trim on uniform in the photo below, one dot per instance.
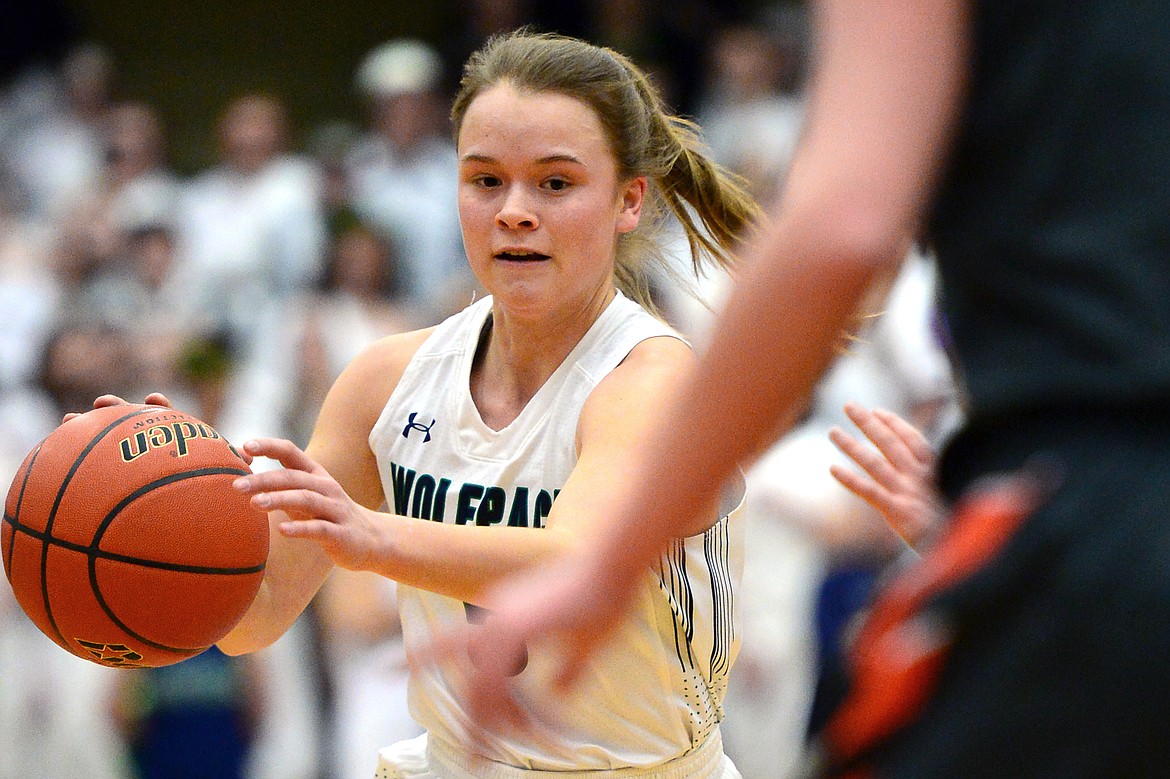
(896, 659)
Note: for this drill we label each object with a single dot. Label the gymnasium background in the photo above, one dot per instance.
(311, 708)
(189, 58)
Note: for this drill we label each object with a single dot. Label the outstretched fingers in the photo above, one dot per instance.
(909, 435)
(298, 492)
(283, 451)
(323, 531)
(889, 439)
(864, 487)
(872, 462)
(553, 609)
(897, 472)
(298, 503)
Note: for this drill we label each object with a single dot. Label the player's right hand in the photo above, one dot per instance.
(568, 606)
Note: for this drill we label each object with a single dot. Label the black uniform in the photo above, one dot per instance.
(1052, 228)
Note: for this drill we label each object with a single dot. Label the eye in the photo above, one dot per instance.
(486, 180)
(556, 184)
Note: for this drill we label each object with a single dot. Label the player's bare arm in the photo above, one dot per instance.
(455, 560)
(617, 419)
(298, 567)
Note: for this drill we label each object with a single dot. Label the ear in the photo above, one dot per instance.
(632, 196)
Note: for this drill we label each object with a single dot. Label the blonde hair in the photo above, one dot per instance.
(711, 203)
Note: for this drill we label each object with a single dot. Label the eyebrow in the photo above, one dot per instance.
(542, 161)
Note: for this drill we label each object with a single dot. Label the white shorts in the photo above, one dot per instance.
(420, 758)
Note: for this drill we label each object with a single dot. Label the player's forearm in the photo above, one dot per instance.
(462, 561)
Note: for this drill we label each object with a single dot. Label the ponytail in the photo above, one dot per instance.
(711, 203)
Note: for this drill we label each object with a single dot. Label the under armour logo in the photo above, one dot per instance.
(412, 425)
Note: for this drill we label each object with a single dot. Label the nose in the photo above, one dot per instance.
(515, 212)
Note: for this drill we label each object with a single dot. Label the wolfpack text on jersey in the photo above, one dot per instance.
(657, 691)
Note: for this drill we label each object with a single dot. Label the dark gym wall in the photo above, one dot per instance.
(189, 57)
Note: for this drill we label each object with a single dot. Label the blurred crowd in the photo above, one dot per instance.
(241, 291)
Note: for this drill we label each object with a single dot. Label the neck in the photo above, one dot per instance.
(516, 355)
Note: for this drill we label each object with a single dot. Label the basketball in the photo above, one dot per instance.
(124, 540)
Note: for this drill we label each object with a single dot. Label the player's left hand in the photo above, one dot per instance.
(898, 479)
(152, 399)
(103, 401)
(316, 506)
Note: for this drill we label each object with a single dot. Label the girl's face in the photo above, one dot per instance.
(540, 202)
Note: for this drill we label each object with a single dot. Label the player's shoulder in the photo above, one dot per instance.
(648, 369)
(393, 352)
(375, 372)
(665, 352)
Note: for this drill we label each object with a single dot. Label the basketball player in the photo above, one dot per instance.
(449, 458)
(1028, 143)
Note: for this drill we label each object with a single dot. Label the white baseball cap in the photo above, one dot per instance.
(399, 66)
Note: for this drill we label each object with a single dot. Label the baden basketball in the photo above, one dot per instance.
(124, 541)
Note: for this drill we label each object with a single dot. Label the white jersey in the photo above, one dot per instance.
(656, 692)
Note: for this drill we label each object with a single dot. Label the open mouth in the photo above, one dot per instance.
(520, 256)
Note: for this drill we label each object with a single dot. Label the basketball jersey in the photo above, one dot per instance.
(655, 692)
